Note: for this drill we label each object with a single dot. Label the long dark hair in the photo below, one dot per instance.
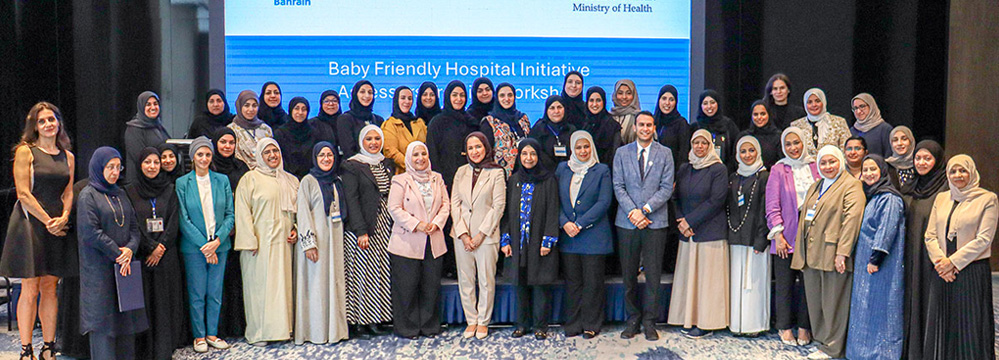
(30, 135)
(769, 99)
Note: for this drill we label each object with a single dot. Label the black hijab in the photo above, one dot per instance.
(360, 112)
(883, 185)
(540, 172)
(561, 126)
(934, 181)
(479, 110)
(427, 113)
(457, 115)
(150, 188)
(406, 117)
(509, 116)
(327, 179)
(575, 106)
(177, 170)
(714, 123)
(222, 164)
(665, 120)
(273, 116)
(323, 116)
(299, 131)
(224, 117)
(591, 117)
(768, 135)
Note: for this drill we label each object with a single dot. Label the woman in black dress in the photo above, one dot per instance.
(723, 130)
(552, 131)
(530, 233)
(155, 203)
(215, 116)
(36, 248)
(170, 163)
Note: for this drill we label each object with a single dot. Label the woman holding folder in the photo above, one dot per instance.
(108, 234)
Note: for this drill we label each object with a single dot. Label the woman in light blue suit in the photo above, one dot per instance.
(585, 192)
(204, 241)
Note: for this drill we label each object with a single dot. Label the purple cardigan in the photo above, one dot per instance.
(782, 202)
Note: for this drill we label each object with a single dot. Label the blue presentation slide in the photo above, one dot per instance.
(311, 46)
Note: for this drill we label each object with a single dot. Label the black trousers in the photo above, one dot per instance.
(449, 265)
(636, 248)
(584, 292)
(790, 306)
(534, 302)
(416, 286)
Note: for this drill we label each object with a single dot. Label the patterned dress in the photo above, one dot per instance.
(831, 131)
(369, 288)
(506, 140)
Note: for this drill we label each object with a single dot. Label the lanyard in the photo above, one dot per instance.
(251, 133)
(821, 192)
(153, 203)
(558, 141)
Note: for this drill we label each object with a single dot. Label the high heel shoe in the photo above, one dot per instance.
(481, 332)
(50, 347)
(469, 332)
(28, 352)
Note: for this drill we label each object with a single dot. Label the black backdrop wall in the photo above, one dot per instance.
(92, 58)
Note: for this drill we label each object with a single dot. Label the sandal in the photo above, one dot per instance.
(50, 347)
(28, 352)
(589, 334)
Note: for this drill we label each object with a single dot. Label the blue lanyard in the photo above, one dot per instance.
(153, 202)
(558, 141)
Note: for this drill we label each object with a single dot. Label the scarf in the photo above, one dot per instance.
(804, 158)
(714, 123)
(224, 117)
(141, 120)
(665, 120)
(562, 126)
(541, 171)
(883, 184)
(478, 109)
(823, 114)
(239, 119)
(510, 116)
(298, 131)
(363, 156)
(489, 160)
(902, 161)
(710, 158)
(407, 116)
(101, 157)
(747, 170)
(323, 116)
(578, 166)
(222, 164)
(427, 113)
(327, 179)
(457, 115)
(361, 113)
(287, 182)
(575, 106)
(421, 176)
(972, 189)
(630, 109)
(273, 116)
(178, 170)
(836, 152)
(873, 118)
(930, 184)
(149, 188)
(770, 129)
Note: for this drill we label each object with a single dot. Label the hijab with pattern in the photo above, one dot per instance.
(709, 158)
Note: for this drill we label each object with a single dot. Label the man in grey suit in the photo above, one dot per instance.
(643, 184)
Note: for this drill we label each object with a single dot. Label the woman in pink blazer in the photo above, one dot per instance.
(420, 206)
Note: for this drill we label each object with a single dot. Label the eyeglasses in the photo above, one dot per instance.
(861, 106)
(119, 168)
(330, 102)
(855, 148)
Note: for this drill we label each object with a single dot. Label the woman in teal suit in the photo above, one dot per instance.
(206, 219)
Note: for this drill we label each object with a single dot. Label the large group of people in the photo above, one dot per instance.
(281, 227)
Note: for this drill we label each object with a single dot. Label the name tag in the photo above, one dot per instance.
(810, 215)
(742, 200)
(560, 151)
(154, 225)
(718, 151)
(335, 216)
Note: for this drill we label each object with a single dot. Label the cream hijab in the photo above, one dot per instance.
(970, 191)
(288, 183)
(804, 159)
(747, 170)
(708, 159)
(363, 155)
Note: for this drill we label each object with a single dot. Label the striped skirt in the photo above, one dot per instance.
(369, 288)
(960, 321)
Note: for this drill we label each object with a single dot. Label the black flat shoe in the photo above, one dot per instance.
(651, 334)
(540, 335)
(629, 333)
(587, 334)
(519, 332)
(572, 334)
(379, 329)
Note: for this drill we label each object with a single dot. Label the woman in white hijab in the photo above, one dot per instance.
(367, 178)
(266, 204)
(819, 126)
(747, 240)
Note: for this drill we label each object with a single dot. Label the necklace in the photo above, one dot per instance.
(114, 213)
(749, 206)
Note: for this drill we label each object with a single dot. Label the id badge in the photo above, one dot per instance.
(718, 150)
(810, 215)
(335, 216)
(742, 200)
(154, 225)
(560, 151)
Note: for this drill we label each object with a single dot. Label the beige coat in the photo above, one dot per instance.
(973, 222)
(836, 225)
(480, 210)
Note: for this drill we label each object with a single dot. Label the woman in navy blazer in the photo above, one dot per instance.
(204, 242)
(585, 193)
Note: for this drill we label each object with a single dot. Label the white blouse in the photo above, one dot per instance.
(207, 204)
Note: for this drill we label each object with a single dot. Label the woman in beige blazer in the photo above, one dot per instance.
(478, 198)
(828, 228)
(959, 236)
